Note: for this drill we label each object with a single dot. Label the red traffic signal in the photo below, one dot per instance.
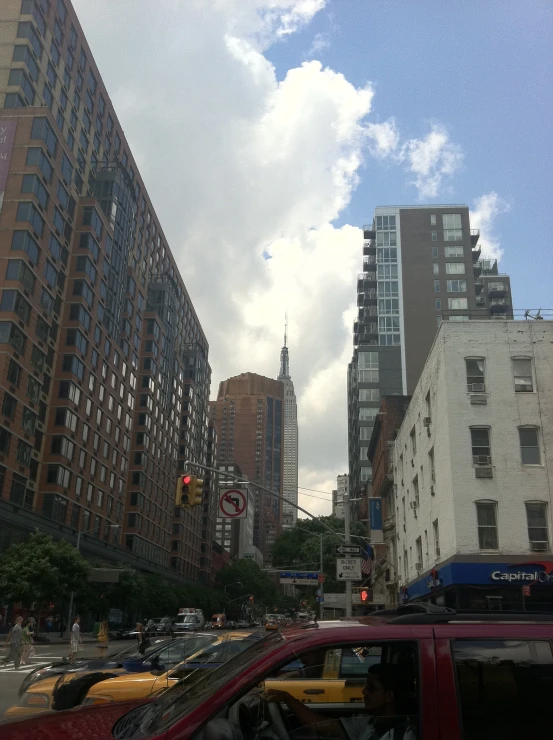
(364, 595)
(251, 599)
(186, 480)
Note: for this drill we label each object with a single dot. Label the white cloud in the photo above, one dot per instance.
(482, 216)
(240, 165)
(384, 138)
(431, 160)
(321, 41)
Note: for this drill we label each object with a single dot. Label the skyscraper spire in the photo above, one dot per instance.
(284, 360)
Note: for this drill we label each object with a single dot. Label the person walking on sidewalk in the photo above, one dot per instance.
(103, 636)
(75, 641)
(62, 626)
(26, 642)
(14, 641)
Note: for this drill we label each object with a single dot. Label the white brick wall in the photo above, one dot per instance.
(456, 488)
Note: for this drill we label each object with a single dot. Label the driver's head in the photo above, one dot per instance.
(314, 658)
(383, 690)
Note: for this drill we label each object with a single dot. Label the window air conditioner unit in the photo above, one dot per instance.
(427, 421)
(418, 566)
(539, 546)
(478, 387)
(478, 400)
(483, 472)
(414, 504)
(481, 459)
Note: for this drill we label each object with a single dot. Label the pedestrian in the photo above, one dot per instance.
(62, 626)
(75, 639)
(103, 636)
(26, 641)
(13, 640)
(139, 629)
(49, 623)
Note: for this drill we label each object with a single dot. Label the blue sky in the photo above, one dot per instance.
(274, 127)
(484, 69)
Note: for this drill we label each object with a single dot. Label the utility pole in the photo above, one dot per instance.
(321, 584)
(347, 520)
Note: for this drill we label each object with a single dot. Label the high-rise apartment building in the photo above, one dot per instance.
(235, 535)
(104, 374)
(421, 266)
(339, 495)
(248, 416)
(290, 452)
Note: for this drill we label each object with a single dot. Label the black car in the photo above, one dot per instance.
(115, 659)
(123, 631)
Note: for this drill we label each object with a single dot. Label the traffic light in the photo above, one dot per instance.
(196, 490)
(364, 595)
(251, 599)
(183, 493)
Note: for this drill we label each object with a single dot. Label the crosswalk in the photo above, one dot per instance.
(36, 662)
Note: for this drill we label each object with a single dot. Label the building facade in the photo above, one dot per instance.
(235, 535)
(381, 446)
(339, 496)
(248, 416)
(420, 267)
(104, 374)
(290, 451)
(473, 470)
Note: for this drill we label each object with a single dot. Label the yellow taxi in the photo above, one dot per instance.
(39, 696)
(335, 676)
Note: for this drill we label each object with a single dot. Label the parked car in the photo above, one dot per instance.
(242, 624)
(123, 631)
(163, 626)
(456, 676)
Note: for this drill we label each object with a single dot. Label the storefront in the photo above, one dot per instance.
(484, 586)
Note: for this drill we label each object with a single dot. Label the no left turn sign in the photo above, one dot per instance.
(233, 503)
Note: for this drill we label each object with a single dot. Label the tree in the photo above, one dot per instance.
(296, 548)
(254, 582)
(41, 569)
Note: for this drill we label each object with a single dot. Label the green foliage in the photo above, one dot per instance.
(296, 548)
(41, 569)
(245, 578)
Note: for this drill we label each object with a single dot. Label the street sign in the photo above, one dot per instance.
(351, 550)
(321, 599)
(299, 578)
(321, 577)
(348, 569)
(375, 513)
(233, 503)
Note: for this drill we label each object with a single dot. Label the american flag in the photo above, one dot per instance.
(367, 555)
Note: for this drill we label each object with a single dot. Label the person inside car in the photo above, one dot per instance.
(385, 695)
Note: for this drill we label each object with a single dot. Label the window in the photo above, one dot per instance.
(529, 446)
(27, 211)
(438, 304)
(522, 372)
(366, 414)
(455, 268)
(453, 231)
(436, 268)
(37, 158)
(416, 497)
(454, 252)
(481, 450)
(413, 438)
(369, 394)
(18, 78)
(459, 317)
(436, 286)
(457, 303)
(432, 219)
(431, 465)
(475, 375)
(367, 376)
(5, 440)
(418, 545)
(14, 373)
(51, 274)
(435, 253)
(91, 218)
(13, 301)
(486, 516)
(504, 688)
(9, 405)
(23, 54)
(536, 515)
(42, 130)
(456, 286)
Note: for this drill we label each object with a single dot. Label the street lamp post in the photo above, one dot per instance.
(77, 547)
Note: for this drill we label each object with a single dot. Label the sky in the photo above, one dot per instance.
(267, 131)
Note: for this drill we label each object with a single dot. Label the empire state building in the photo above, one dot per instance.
(290, 457)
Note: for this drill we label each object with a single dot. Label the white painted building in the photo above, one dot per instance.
(473, 467)
(339, 495)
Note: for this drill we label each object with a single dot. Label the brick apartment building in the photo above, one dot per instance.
(104, 373)
(248, 416)
(387, 423)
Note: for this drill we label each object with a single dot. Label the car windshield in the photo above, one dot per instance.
(190, 618)
(183, 697)
(131, 652)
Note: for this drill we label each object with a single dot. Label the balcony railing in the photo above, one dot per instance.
(474, 236)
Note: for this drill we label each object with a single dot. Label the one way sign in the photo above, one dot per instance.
(354, 550)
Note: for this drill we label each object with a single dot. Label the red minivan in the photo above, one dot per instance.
(433, 674)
